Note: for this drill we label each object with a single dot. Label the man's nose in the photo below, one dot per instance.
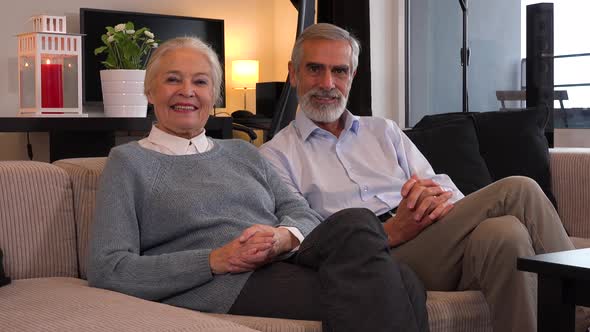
(326, 80)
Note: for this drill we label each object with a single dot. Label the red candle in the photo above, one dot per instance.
(51, 85)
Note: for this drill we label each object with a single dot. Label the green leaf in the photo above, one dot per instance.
(99, 50)
(140, 32)
(109, 65)
(129, 26)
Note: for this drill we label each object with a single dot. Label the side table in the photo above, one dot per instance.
(563, 283)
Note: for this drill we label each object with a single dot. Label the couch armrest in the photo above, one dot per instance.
(570, 174)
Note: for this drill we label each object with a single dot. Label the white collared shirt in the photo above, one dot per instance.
(365, 167)
(160, 141)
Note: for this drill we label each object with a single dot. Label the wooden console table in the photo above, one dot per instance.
(94, 136)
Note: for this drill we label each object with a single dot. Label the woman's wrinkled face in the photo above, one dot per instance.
(182, 92)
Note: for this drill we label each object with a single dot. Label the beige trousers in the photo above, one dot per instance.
(476, 245)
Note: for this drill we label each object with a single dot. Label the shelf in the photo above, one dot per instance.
(94, 136)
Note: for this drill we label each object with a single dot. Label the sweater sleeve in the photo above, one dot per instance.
(115, 258)
(291, 209)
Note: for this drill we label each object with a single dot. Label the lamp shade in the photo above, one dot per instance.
(244, 74)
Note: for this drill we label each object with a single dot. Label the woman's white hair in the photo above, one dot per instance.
(185, 42)
(329, 32)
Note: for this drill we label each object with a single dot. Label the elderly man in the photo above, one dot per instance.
(337, 160)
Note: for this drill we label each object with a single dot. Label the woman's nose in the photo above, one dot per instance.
(187, 89)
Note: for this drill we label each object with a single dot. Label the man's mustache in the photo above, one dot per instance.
(332, 93)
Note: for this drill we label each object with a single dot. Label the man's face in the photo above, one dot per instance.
(323, 79)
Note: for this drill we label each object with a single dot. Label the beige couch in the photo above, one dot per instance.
(45, 213)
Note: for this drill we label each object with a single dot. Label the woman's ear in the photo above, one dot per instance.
(148, 94)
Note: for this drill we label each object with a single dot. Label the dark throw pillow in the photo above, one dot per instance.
(452, 148)
(4, 280)
(511, 143)
(514, 143)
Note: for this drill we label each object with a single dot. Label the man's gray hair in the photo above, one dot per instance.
(185, 42)
(329, 32)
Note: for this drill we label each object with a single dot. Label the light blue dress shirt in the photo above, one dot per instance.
(365, 167)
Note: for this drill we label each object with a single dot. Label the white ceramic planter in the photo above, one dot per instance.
(122, 93)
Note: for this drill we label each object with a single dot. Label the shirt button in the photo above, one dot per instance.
(365, 188)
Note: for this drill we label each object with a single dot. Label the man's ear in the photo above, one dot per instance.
(353, 74)
(292, 75)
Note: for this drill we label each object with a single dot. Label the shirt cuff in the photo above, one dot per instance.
(296, 233)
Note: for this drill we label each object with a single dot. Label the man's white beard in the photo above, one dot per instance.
(322, 113)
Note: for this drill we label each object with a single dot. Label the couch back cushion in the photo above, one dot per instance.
(37, 227)
(84, 174)
(452, 148)
(511, 143)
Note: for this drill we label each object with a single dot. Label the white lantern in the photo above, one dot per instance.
(50, 70)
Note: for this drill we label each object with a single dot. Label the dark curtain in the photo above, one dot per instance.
(353, 15)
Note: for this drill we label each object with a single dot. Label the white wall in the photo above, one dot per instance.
(284, 37)
(257, 29)
(388, 59)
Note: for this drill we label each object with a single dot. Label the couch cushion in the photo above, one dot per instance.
(458, 312)
(571, 182)
(273, 324)
(68, 304)
(511, 143)
(452, 148)
(447, 312)
(37, 228)
(580, 242)
(84, 174)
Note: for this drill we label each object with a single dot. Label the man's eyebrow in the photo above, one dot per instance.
(315, 64)
(341, 67)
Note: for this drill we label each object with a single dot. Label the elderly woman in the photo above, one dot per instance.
(206, 224)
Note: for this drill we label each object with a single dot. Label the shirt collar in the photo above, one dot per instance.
(306, 127)
(178, 145)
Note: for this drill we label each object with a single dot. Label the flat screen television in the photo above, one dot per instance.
(94, 21)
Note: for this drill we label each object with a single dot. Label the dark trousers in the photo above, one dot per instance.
(343, 275)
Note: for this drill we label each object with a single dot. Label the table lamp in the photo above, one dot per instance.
(244, 75)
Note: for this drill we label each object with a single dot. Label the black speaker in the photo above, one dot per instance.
(267, 96)
(539, 59)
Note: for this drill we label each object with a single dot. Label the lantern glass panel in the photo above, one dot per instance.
(27, 81)
(70, 81)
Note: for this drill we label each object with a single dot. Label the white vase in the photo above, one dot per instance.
(122, 93)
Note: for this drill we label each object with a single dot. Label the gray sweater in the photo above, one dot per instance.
(158, 217)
